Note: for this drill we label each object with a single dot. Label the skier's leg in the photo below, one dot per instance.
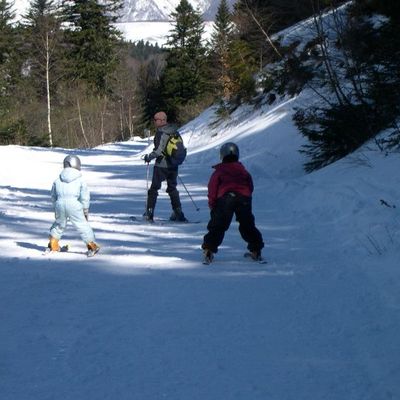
(172, 190)
(77, 218)
(157, 179)
(177, 213)
(221, 217)
(82, 226)
(247, 227)
(60, 223)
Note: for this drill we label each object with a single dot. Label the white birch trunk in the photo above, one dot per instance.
(48, 91)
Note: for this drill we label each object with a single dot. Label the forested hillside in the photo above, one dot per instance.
(68, 79)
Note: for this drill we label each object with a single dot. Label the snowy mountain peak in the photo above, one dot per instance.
(149, 10)
(160, 10)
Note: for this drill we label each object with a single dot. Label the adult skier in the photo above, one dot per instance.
(163, 171)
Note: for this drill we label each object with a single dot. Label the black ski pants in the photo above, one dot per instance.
(221, 218)
(160, 175)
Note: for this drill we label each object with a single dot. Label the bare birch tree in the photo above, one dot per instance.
(43, 38)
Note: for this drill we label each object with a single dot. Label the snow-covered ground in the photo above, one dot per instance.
(145, 319)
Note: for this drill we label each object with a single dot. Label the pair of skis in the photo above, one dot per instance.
(207, 260)
(159, 221)
(65, 249)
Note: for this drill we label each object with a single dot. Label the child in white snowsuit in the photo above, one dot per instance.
(71, 199)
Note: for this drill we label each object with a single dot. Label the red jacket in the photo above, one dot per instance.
(229, 177)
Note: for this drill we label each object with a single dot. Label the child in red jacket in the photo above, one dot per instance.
(229, 192)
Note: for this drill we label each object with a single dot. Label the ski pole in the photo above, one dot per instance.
(147, 185)
(187, 191)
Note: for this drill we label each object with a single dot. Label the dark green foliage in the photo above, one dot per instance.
(242, 69)
(339, 130)
(12, 133)
(293, 76)
(185, 75)
(257, 18)
(221, 41)
(42, 37)
(252, 18)
(390, 8)
(81, 93)
(223, 22)
(149, 75)
(142, 50)
(335, 132)
(92, 40)
(365, 84)
(12, 127)
(10, 60)
(16, 132)
(6, 31)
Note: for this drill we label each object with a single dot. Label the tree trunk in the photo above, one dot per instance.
(48, 91)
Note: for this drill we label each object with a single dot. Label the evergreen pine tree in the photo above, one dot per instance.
(12, 128)
(257, 20)
(184, 77)
(242, 67)
(6, 31)
(251, 18)
(93, 40)
(221, 41)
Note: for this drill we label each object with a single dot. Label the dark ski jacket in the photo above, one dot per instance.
(229, 177)
(161, 138)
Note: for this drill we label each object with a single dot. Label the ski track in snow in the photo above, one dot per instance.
(146, 319)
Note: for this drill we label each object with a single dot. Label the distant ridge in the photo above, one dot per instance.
(148, 10)
(160, 10)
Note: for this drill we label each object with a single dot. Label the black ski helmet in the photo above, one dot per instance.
(72, 162)
(230, 150)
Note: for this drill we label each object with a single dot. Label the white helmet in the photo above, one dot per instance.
(72, 162)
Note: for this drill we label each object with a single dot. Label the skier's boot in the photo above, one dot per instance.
(149, 215)
(178, 215)
(53, 244)
(256, 255)
(208, 256)
(93, 248)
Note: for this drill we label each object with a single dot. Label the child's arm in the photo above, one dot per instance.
(212, 191)
(84, 197)
(53, 194)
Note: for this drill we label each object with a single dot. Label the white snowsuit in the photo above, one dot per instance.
(70, 196)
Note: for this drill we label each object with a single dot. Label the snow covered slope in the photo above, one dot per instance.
(145, 319)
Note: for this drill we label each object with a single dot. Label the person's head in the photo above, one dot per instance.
(72, 162)
(160, 119)
(229, 152)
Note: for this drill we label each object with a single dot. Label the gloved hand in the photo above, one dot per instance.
(147, 158)
(86, 213)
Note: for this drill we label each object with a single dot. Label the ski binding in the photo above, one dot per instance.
(91, 253)
(63, 249)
